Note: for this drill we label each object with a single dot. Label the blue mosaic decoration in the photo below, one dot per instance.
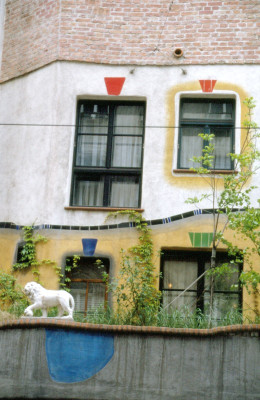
(130, 224)
(74, 356)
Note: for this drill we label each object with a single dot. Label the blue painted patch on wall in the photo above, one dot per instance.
(74, 356)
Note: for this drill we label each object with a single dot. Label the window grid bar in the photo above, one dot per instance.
(106, 134)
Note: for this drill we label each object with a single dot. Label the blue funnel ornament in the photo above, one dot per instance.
(89, 246)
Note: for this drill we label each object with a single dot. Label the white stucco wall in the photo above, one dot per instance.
(36, 161)
(2, 18)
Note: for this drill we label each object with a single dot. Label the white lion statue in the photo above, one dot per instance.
(42, 299)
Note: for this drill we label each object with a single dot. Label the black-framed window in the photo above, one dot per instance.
(215, 116)
(107, 169)
(87, 285)
(181, 268)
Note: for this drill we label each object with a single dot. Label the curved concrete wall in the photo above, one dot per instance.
(87, 362)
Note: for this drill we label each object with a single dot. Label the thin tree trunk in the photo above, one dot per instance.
(212, 266)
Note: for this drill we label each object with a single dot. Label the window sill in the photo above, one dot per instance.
(214, 171)
(107, 209)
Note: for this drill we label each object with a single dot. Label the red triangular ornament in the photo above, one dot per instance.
(207, 85)
(114, 85)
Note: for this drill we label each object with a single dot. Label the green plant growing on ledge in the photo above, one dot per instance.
(12, 298)
(134, 290)
(178, 318)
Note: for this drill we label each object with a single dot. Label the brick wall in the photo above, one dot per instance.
(30, 36)
(129, 32)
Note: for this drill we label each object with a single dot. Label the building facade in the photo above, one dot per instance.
(101, 104)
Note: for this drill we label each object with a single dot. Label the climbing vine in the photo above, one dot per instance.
(28, 255)
(134, 290)
(65, 278)
(28, 258)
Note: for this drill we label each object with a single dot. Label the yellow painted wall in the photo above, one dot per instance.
(8, 240)
(62, 244)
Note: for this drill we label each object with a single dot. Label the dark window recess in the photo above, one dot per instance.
(20, 257)
(206, 116)
(19, 252)
(86, 284)
(107, 169)
(181, 269)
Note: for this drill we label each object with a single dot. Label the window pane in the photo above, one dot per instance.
(78, 291)
(180, 274)
(191, 145)
(128, 120)
(223, 146)
(127, 151)
(207, 110)
(96, 296)
(188, 300)
(223, 303)
(91, 151)
(89, 192)
(224, 282)
(87, 271)
(124, 191)
(93, 119)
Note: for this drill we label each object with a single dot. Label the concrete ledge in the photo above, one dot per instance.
(32, 323)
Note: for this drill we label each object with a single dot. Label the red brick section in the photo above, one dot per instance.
(129, 32)
(31, 34)
(36, 323)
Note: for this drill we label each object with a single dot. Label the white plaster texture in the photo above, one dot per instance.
(36, 151)
(2, 19)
